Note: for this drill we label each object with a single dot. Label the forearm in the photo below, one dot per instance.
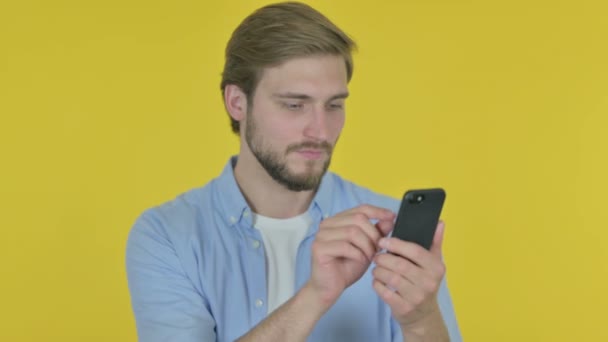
(430, 329)
(292, 321)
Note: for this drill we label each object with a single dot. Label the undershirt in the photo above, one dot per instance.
(281, 237)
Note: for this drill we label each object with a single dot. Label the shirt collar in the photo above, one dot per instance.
(323, 199)
(235, 206)
(232, 201)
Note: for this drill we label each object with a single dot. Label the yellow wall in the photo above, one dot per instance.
(110, 107)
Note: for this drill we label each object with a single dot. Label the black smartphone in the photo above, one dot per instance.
(419, 215)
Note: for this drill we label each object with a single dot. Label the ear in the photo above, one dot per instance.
(235, 101)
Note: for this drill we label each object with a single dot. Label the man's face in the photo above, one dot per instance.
(296, 117)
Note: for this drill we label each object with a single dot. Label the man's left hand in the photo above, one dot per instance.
(408, 279)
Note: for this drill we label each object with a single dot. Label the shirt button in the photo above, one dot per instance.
(232, 219)
(246, 213)
(255, 244)
(259, 303)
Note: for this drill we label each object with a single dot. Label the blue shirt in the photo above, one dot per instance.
(197, 271)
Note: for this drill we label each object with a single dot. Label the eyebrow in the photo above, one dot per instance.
(298, 96)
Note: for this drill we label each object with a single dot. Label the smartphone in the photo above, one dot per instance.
(419, 215)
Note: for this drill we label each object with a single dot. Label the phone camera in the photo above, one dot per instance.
(416, 198)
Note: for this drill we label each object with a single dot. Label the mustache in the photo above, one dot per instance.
(324, 145)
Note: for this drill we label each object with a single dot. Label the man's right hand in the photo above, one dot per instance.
(344, 248)
(341, 253)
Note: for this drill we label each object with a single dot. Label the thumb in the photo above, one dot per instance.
(438, 239)
(385, 226)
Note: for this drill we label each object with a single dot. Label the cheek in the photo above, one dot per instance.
(280, 130)
(267, 123)
(336, 124)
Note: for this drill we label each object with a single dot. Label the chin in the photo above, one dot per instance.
(307, 167)
(316, 170)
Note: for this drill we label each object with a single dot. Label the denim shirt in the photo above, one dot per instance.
(197, 271)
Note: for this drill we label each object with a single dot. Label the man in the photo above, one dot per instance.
(276, 248)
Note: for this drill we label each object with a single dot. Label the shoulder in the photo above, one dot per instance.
(175, 220)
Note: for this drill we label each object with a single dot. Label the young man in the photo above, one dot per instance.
(276, 248)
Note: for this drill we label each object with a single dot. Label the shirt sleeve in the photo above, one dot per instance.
(166, 304)
(447, 311)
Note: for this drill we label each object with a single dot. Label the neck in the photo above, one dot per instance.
(264, 195)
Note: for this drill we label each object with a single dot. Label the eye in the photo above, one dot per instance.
(292, 105)
(336, 106)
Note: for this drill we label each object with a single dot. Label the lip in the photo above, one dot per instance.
(311, 154)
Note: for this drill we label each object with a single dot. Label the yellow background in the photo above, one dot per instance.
(110, 107)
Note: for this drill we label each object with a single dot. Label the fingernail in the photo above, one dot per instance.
(383, 243)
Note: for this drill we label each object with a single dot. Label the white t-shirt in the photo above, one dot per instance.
(282, 238)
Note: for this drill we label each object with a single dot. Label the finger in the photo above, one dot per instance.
(338, 249)
(402, 287)
(401, 267)
(410, 293)
(385, 226)
(371, 211)
(399, 306)
(355, 219)
(353, 234)
(437, 244)
(411, 251)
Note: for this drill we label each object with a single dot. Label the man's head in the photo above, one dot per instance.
(285, 78)
(277, 33)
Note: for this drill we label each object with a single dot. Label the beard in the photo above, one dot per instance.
(276, 166)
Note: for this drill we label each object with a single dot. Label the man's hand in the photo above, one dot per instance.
(408, 279)
(341, 253)
(344, 248)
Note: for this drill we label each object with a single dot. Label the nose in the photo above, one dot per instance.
(317, 127)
